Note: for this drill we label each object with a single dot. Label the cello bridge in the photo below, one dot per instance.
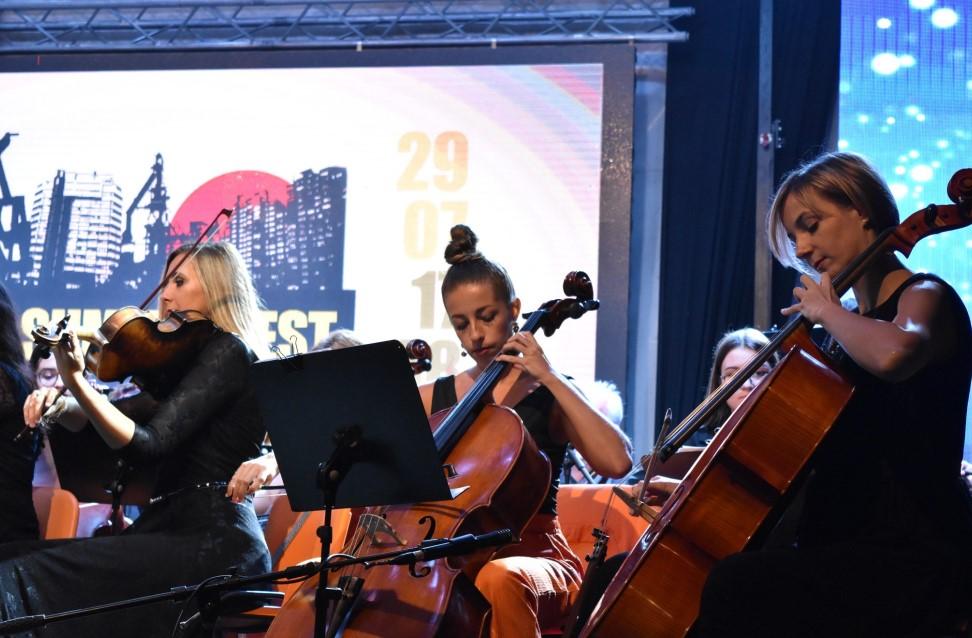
(373, 525)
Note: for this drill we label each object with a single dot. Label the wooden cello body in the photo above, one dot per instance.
(732, 495)
(502, 479)
(737, 489)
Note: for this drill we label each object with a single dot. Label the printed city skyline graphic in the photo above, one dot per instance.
(80, 240)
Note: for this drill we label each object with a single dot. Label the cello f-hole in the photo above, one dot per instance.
(426, 570)
(431, 522)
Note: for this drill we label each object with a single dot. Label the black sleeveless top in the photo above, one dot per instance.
(534, 410)
(889, 471)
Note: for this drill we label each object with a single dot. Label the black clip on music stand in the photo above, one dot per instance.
(360, 409)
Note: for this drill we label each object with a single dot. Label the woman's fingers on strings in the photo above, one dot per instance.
(37, 402)
(238, 488)
(246, 482)
(29, 410)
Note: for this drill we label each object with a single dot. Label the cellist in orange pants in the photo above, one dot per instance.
(527, 584)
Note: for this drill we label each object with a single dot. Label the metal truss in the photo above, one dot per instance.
(50, 25)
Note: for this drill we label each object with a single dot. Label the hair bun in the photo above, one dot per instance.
(463, 245)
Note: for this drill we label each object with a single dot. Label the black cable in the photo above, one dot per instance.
(176, 629)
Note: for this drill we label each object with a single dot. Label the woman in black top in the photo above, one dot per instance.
(885, 532)
(197, 432)
(527, 584)
(18, 520)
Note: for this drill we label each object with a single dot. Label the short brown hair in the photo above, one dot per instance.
(844, 179)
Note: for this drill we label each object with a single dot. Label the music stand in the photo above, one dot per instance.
(348, 430)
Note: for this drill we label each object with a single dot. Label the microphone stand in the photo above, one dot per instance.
(574, 459)
(205, 590)
(208, 591)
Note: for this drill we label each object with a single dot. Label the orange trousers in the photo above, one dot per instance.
(529, 584)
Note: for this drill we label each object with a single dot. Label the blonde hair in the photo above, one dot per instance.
(233, 302)
(844, 179)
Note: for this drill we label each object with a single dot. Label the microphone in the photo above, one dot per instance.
(465, 544)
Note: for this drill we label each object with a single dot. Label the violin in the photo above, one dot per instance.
(737, 489)
(131, 343)
(499, 478)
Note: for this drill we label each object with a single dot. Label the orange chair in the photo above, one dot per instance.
(57, 512)
(292, 539)
(580, 509)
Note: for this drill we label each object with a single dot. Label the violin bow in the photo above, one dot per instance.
(206, 233)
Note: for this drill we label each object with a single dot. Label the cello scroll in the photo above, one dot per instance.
(420, 355)
(580, 299)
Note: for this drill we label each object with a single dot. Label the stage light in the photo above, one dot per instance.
(944, 18)
(885, 64)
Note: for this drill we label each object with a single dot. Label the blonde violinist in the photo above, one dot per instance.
(197, 432)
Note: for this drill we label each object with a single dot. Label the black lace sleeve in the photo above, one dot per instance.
(218, 377)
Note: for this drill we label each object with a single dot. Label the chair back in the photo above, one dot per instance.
(292, 536)
(57, 512)
(580, 509)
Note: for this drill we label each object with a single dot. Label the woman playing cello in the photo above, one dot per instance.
(527, 584)
(198, 432)
(885, 533)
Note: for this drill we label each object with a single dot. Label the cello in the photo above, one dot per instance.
(736, 491)
(499, 479)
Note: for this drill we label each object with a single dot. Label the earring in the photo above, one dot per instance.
(516, 327)
(463, 353)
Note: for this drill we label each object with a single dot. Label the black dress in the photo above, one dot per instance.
(18, 521)
(884, 538)
(199, 433)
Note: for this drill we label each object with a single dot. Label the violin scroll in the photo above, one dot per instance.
(420, 354)
(46, 337)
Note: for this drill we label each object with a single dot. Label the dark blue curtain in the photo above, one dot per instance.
(708, 218)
